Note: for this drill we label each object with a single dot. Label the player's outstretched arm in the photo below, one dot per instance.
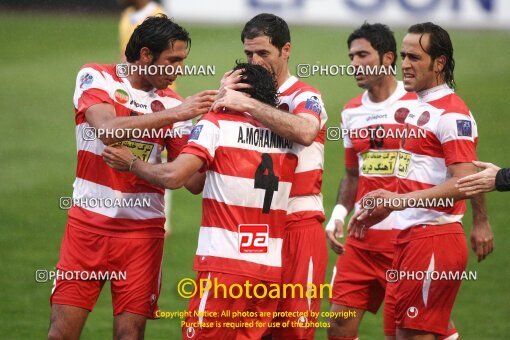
(300, 128)
(171, 175)
(367, 216)
(483, 181)
(102, 116)
(344, 204)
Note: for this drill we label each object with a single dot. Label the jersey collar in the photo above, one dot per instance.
(434, 93)
(288, 83)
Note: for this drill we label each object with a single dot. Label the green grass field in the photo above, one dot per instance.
(40, 57)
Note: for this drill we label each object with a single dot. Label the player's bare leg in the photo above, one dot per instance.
(414, 334)
(345, 327)
(66, 322)
(129, 326)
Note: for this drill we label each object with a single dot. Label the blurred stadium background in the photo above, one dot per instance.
(43, 45)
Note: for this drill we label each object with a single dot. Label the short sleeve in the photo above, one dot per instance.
(91, 89)
(457, 134)
(203, 141)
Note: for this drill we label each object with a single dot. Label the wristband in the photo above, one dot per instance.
(339, 212)
(132, 162)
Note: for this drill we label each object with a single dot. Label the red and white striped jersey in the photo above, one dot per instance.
(249, 174)
(97, 84)
(451, 138)
(372, 145)
(305, 198)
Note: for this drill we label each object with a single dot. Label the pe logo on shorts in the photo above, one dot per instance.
(190, 332)
(253, 238)
(412, 312)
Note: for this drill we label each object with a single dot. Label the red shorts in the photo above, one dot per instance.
(139, 260)
(424, 304)
(360, 278)
(232, 312)
(304, 261)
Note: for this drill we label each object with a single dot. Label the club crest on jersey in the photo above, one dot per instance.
(157, 106)
(195, 133)
(424, 118)
(464, 128)
(121, 96)
(313, 104)
(85, 81)
(401, 115)
(284, 107)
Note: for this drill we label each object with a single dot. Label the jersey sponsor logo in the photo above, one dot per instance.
(137, 105)
(195, 133)
(464, 128)
(121, 96)
(157, 106)
(401, 115)
(424, 118)
(85, 81)
(376, 116)
(379, 162)
(139, 149)
(253, 238)
(313, 104)
(262, 138)
(404, 159)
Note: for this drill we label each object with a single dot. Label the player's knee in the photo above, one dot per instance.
(343, 327)
(55, 333)
(130, 331)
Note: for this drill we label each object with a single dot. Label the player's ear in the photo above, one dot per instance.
(439, 64)
(388, 58)
(145, 55)
(286, 51)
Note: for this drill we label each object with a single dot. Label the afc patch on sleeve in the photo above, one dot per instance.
(195, 133)
(86, 80)
(464, 128)
(313, 104)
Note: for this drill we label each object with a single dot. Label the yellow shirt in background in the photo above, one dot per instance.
(130, 18)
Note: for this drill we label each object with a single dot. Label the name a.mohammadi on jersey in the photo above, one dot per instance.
(98, 84)
(249, 174)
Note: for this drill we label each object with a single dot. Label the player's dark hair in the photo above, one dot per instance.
(263, 84)
(157, 33)
(269, 25)
(379, 36)
(440, 44)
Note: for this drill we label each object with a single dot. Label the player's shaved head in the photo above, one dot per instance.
(269, 25)
(157, 33)
(379, 36)
(263, 85)
(439, 45)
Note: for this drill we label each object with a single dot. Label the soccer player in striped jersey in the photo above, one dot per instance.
(300, 117)
(113, 238)
(249, 172)
(431, 238)
(359, 281)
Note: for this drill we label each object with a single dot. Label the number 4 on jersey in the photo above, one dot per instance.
(268, 182)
